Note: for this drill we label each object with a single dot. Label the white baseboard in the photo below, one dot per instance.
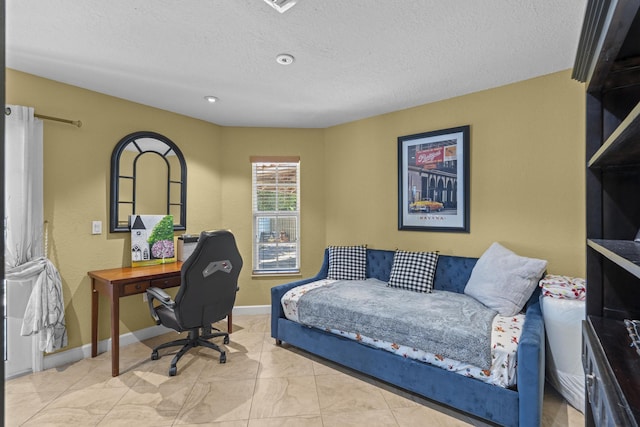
(250, 310)
(78, 353)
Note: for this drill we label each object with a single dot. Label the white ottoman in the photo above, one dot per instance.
(563, 324)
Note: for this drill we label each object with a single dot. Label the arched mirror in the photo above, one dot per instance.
(148, 177)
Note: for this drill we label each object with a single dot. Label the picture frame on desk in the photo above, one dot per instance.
(433, 180)
(151, 240)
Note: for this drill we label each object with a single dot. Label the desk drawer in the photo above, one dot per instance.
(167, 282)
(135, 288)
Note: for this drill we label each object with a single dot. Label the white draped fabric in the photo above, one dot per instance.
(23, 187)
(25, 256)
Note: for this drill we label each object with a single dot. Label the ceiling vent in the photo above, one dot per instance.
(281, 5)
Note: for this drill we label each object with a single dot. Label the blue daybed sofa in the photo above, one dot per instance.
(521, 406)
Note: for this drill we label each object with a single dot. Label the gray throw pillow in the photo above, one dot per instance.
(504, 281)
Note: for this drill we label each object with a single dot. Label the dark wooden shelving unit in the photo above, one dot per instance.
(623, 253)
(608, 61)
(622, 147)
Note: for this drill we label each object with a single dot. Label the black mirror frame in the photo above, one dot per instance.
(115, 187)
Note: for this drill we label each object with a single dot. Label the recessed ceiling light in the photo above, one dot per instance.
(284, 59)
(211, 98)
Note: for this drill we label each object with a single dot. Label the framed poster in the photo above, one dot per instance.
(433, 181)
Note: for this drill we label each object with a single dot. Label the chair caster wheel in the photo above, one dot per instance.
(154, 355)
(226, 339)
(172, 371)
(223, 358)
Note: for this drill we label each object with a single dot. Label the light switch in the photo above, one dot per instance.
(96, 227)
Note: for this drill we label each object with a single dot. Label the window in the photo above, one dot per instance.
(276, 214)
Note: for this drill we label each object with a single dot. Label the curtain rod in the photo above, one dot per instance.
(77, 123)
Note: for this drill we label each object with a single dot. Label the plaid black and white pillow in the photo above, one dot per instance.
(347, 262)
(413, 271)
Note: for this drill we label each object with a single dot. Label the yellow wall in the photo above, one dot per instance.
(527, 181)
(239, 145)
(526, 168)
(76, 186)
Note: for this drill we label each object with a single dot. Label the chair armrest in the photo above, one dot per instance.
(277, 292)
(531, 367)
(159, 294)
(164, 298)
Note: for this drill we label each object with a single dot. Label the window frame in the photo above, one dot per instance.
(283, 225)
(145, 143)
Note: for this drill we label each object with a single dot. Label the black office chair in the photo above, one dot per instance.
(208, 286)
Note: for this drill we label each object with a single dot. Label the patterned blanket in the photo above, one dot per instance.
(445, 323)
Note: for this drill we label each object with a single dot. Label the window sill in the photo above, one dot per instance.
(274, 274)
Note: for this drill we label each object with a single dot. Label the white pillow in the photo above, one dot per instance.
(504, 281)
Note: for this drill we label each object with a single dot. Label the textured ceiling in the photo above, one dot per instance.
(353, 58)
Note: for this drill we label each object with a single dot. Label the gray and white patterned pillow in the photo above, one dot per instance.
(413, 271)
(347, 262)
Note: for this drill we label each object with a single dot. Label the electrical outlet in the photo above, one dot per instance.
(145, 298)
(96, 227)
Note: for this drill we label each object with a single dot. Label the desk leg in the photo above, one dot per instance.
(94, 319)
(229, 322)
(115, 335)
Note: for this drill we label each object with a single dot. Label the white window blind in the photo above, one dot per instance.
(276, 215)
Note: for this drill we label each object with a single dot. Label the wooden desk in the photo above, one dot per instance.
(120, 282)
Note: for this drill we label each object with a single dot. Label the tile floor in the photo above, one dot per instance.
(261, 385)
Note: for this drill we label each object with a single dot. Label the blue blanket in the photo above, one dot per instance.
(450, 324)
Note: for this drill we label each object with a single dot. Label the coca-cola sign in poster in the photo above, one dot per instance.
(430, 157)
(433, 180)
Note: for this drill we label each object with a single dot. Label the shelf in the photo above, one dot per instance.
(623, 146)
(608, 61)
(625, 253)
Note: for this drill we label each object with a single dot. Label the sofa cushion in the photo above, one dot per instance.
(503, 280)
(347, 262)
(413, 271)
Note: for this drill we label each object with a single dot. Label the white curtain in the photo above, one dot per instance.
(25, 255)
